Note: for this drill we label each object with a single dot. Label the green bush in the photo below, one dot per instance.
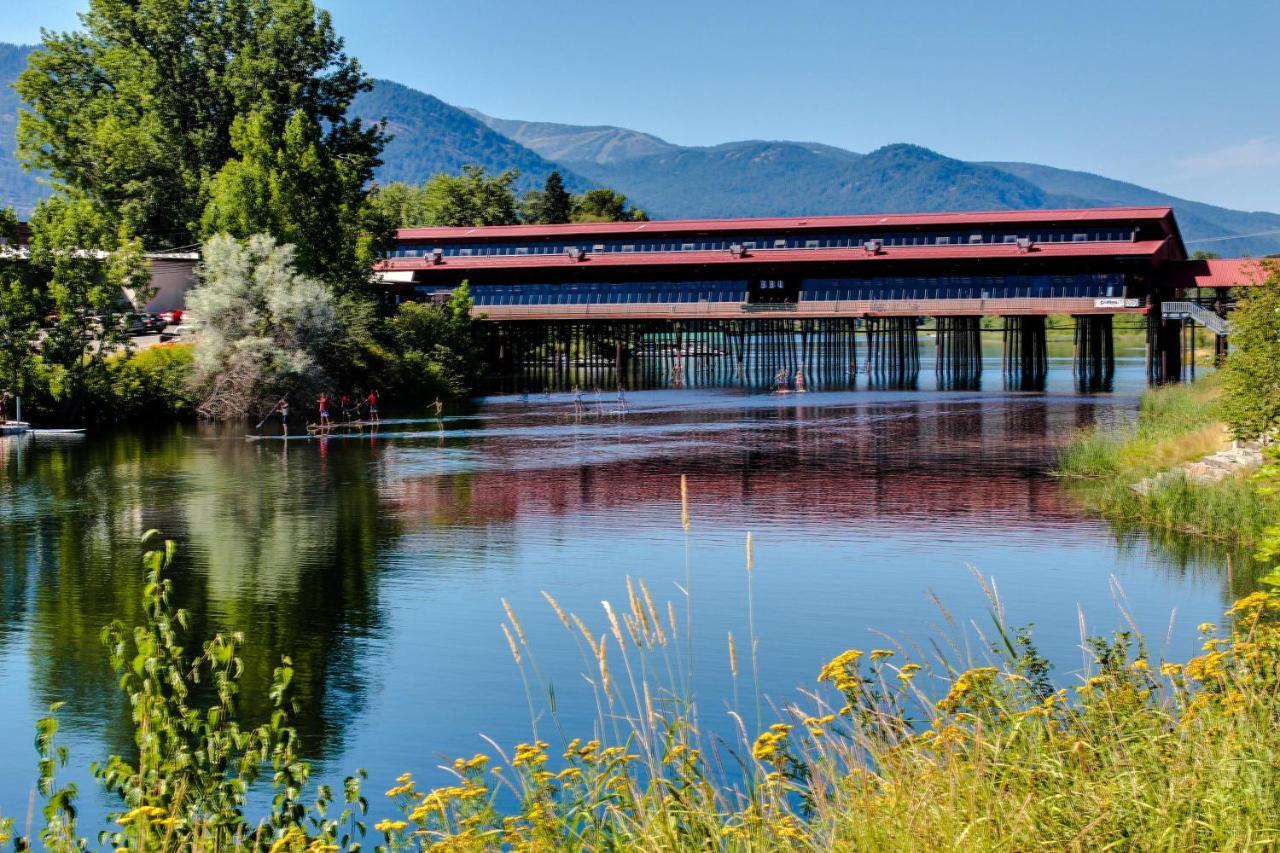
(149, 384)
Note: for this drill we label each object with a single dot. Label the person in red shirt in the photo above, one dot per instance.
(372, 400)
(324, 410)
(344, 403)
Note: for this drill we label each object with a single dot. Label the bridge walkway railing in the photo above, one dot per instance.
(1220, 326)
(808, 309)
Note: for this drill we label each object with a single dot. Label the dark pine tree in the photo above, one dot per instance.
(557, 204)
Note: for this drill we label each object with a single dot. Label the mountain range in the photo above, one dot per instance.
(748, 178)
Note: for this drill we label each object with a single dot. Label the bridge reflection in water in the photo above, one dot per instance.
(790, 353)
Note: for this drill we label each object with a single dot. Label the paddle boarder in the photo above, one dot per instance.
(372, 400)
(283, 408)
(324, 410)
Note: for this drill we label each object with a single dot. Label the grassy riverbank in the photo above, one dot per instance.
(1176, 424)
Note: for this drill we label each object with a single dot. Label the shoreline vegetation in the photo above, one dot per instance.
(1176, 424)
(953, 750)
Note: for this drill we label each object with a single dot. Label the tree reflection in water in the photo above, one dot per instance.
(277, 542)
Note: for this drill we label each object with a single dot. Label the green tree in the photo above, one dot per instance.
(605, 205)
(288, 182)
(143, 109)
(85, 266)
(1251, 378)
(471, 198)
(552, 205)
(397, 205)
(19, 316)
(439, 344)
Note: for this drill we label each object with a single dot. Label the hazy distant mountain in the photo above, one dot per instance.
(786, 178)
(565, 142)
(431, 136)
(752, 178)
(1195, 218)
(18, 189)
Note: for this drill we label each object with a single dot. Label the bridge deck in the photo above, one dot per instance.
(802, 310)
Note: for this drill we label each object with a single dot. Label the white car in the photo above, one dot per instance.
(189, 327)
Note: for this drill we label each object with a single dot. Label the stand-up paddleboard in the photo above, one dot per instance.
(15, 428)
(341, 426)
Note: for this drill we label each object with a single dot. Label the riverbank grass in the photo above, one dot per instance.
(1176, 424)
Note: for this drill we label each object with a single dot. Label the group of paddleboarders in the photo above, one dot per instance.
(349, 406)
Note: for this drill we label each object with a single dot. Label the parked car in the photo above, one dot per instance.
(172, 318)
(189, 327)
(141, 323)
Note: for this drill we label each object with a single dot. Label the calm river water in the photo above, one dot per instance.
(379, 563)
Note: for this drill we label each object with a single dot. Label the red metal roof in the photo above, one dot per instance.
(1154, 250)
(1217, 272)
(875, 220)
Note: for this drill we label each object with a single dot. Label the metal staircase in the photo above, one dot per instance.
(1220, 326)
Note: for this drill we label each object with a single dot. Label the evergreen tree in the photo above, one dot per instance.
(1251, 378)
(557, 204)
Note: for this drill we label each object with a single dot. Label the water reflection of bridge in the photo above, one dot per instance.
(967, 461)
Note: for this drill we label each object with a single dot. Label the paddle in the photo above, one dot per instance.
(270, 412)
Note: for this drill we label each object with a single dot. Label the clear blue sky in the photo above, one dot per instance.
(1178, 95)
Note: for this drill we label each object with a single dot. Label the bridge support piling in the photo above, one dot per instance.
(1164, 347)
(893, 351)
(1026, 357)
(1094, 350)
(958, 354)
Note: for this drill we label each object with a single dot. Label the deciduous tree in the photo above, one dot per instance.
(1251, 378)
(605, 205)
(155, 109)
(85, 265)
(472, 198)
(19, 315)
(266, 325)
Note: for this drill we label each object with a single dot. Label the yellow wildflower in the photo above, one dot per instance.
(839, 665)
